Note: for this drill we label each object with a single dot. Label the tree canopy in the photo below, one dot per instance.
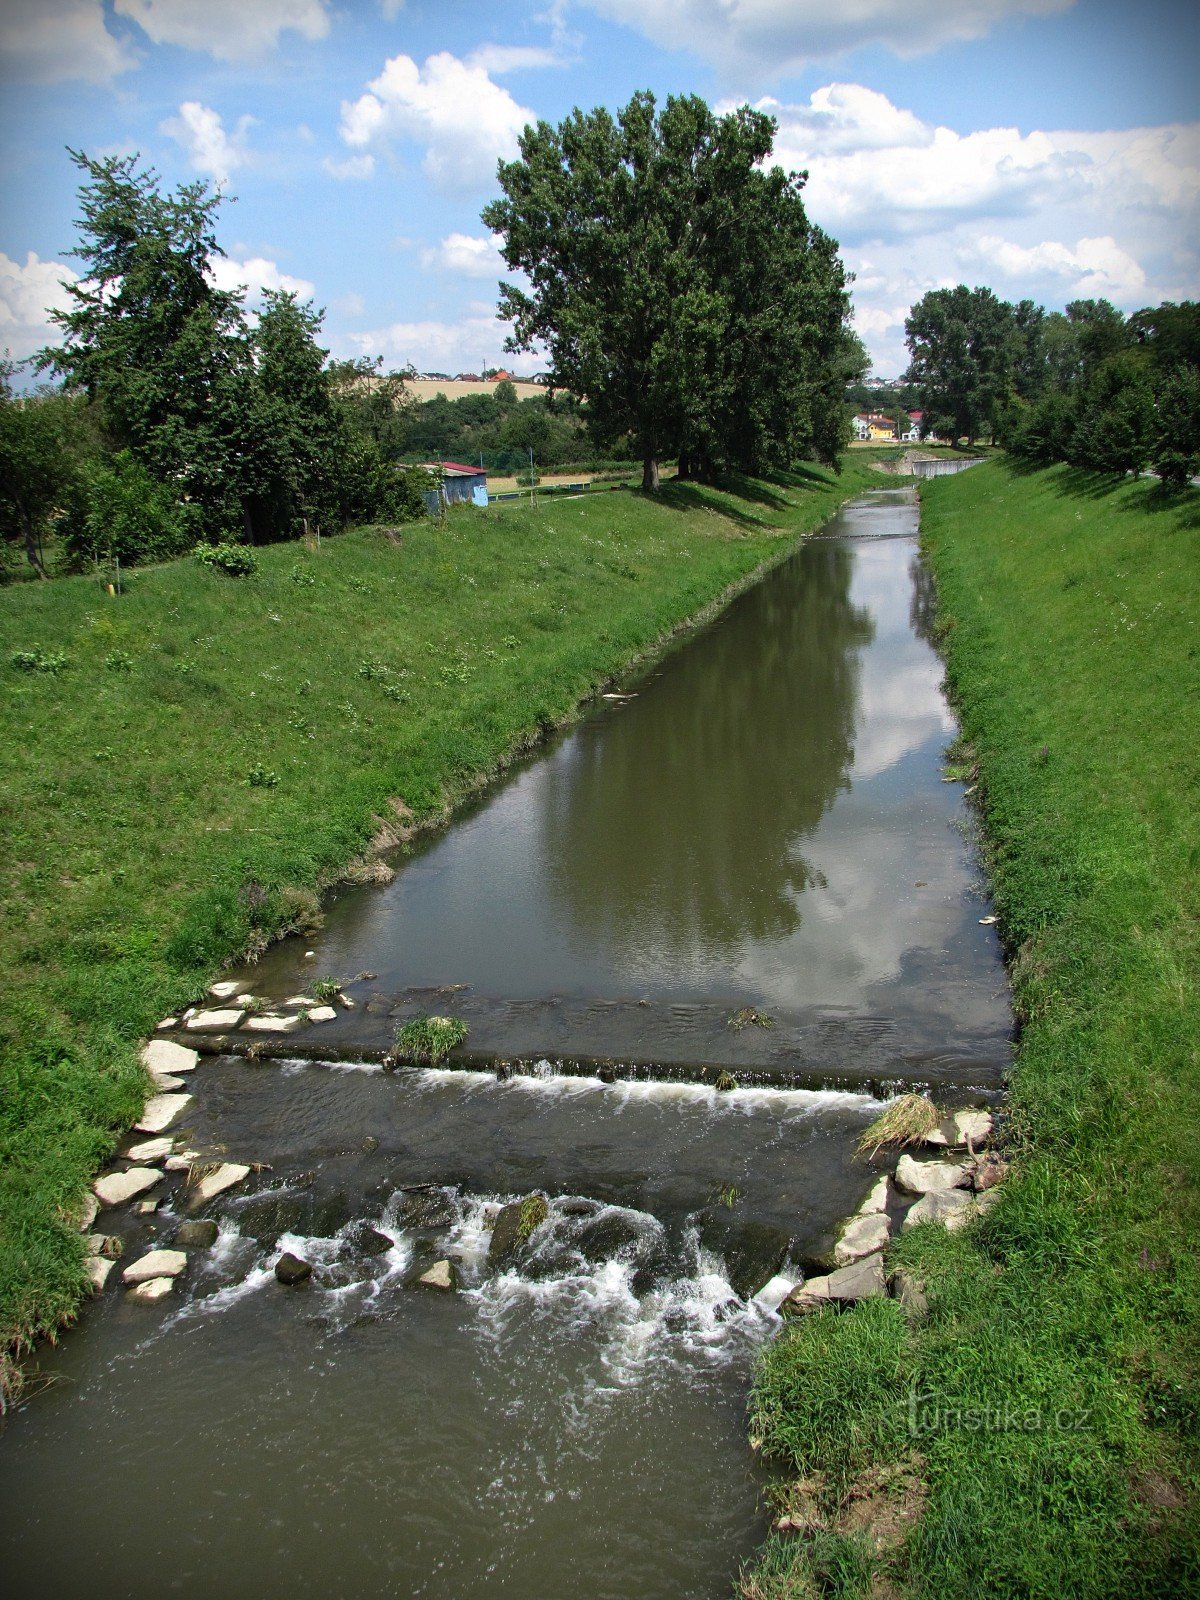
(675, 283)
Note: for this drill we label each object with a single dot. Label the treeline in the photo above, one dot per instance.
(1087, 385)
(677, 283)
(504, 430)
(180, 419)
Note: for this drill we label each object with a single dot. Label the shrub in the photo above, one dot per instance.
(232, 559)
(121, 513)
(429, 1039)
(38, 660)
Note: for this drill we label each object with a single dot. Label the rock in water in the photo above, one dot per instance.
(290, 1269)
(930, 1177)
(150, 1150)
(368, 1240)
(160, 1055)
(161, 1111)
(952, 1207)
(115, 1188)
(441, 1275)
(153, 1289)
(877, 1200)
(214, 1183)
(200, 1235)
(426, 1207)
(516, 1222)
(155, 1264)
(223, 1019)
(97, 1269)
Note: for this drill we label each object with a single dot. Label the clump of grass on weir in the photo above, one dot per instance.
(168, 818)
(1053, 1392)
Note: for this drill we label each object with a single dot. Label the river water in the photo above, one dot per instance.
(761, 825)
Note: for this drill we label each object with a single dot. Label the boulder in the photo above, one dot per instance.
(97, 1269)
(322, 1014)
(273, 1024)
(160, 1112)
(930, 1177)
(167, 1082)
(155, 1264)
(909, 1291)
(305, 1002)
(368, 1241)
(863, 1280)
(877, 1201)
(149, 1150)
(441, 1275)
(153, 1289)
(110, 1245)
(85, 1214)
(988, 1173)
(810, 1295)
(775, 1291)
(862, 1236)
(291, 1269)
(198, 1234)
(972, 1128)
(161, 1055)
(226, 1176)
(219, 1020)
(753, 1251)
(515, 1222)
(952, 1207)
(225, 990)
(168, 1022)
(426, 1206)
(116, 1188)
(145, 1208)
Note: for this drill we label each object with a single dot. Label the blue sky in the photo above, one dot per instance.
(1048, 148)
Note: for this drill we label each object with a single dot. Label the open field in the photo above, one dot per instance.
(191, 761)
(1039, 1428)
(427, 388)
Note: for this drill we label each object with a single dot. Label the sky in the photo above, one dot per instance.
(1047, 149)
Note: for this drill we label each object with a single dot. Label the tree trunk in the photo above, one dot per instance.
(33, 545)
(650, 474)
(685, 464)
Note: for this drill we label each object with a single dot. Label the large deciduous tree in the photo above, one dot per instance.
(676, 284)
(963, 347)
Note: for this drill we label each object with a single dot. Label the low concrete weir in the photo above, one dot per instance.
(696, 942)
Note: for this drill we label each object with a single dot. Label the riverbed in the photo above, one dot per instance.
(749, 859)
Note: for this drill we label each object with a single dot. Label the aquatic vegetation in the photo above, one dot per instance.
(907, 1120)
(429, 1039)
(750, 1017)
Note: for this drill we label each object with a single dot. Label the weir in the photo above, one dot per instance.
(750, 872)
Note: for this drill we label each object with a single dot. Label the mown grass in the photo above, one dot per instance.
(212, 751)
(1054, 1391)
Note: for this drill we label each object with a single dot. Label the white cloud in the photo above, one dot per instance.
(468, 255)
(475, 341)
(28, 293)
(208, 147)
(353, 167)
(256, 273)
(465, 122)
(501, 58)
(231, 30)
(49, 41)
(770, 39)
(1093, 269)
(351, 304)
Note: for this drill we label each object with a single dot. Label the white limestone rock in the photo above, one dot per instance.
(301, 1001)
(322, 1014)
(150, 1149)
(226, 1176)
(225, 990)
(877, 1200)
(273, 1024)
(160, 1112)
(441, 1275)
(98, 1269)
(951, 1207)
(116, 1188)
(863, 1236)
(224, 1018)
(150, 1291)
(774, 1292)
(146, 1208)
(930, 1177)
(163, 1055)
(168, 1022)
(863, 1280)
(155, 1264)
(86, 1213)
(973, 1128)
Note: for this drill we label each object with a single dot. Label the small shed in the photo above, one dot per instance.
(459, 483)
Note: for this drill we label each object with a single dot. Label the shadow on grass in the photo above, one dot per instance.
(1141, 496)
(691, 497)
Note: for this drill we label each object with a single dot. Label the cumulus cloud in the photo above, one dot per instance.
(464, 121)
(477, 340)
(768, 39)
(209, 149)
(256, 273)
(353, 167)
(29, 291)
(1092, 269)
(231, 30)
(49, 41)
(468, 255)
(502, 58)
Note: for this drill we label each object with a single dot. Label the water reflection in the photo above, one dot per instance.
(681, 830)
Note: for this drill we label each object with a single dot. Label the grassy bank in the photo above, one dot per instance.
(189, 763)
(1054, 1384)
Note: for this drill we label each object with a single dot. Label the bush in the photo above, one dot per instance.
(123, 514)
(232, 559)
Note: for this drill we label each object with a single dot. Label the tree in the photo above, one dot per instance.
(962, 347)
(675, 284)
(151, 339)
(1176, 444)
(34, 470)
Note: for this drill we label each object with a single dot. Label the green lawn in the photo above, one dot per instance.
(1056, 1380)
(187, 762)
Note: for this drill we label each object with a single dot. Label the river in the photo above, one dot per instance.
(760, 826)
